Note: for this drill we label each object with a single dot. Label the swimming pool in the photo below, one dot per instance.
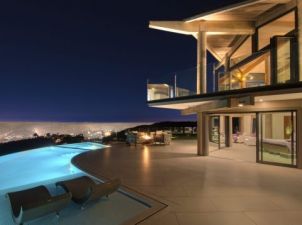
(45, 166)
(41, 166)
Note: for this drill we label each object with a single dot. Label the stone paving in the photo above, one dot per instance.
(202, 190)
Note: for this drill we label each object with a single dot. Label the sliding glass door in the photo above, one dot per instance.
(277, 138)
(214, 129)
(218, 130)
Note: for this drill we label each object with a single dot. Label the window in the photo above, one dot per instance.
(242, 52)
(283, 60)
(224, 82)
(253, 74)
(278, 27)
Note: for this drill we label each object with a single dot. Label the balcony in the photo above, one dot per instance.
(179, 84)
(273, 66)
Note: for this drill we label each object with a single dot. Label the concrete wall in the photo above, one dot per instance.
(278, 126)
(273, 126)
(247, 121)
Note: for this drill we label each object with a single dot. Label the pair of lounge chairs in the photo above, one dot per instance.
(85, 190)
(36, 202)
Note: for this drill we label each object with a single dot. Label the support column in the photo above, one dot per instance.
(227, 69)
(299, 18)
(299, 138)
(228, 133)
(202, 134)
(201, 80)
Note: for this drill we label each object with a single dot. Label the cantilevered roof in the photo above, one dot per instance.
(227, 26)
(243, 11)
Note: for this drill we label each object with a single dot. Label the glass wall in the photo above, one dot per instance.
(224, 82)
(278, 27)
(283, 59)
(159, 91)
(277, 138)
(214, 129)
(253, 74)
(217, 132)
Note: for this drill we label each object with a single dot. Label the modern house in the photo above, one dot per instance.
(257, 95)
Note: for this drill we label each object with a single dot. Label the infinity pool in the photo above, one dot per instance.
(40, 166)
(45, 166)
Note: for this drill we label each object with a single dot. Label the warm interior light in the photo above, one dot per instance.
(240, 105)
(146, 137)
(260, 100)
(107, 133)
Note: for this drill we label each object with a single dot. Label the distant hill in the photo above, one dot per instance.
(166, 125)
(173, 126)
(38, 142)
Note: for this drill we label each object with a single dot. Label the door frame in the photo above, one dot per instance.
(259, 138)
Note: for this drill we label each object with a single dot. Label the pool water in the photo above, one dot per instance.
(41, 166)
(45, 166)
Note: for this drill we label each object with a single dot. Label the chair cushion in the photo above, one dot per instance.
(80, 188)
(26, 198)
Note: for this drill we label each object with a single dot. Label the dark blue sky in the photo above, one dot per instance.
(89, 60)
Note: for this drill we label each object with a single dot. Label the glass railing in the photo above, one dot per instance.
(177, 84)
(266, 67)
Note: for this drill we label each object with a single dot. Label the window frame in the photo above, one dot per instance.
(294, 70)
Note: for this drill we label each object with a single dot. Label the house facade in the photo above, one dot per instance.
(257, 95)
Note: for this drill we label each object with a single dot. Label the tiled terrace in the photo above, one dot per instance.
(202, 190)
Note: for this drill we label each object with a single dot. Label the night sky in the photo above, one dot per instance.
(90, 60)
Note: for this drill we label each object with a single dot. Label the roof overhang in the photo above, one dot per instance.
(231, 12)
(225, 26)
(211, 27)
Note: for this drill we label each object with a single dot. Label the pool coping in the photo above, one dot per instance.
(156, 205)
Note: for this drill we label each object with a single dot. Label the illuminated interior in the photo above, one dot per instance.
(278, 27)
(254, 44)
(242, 52)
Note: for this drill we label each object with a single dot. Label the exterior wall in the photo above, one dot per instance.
(278, 126)
(222, 124)
(247, 124)
(273, 126)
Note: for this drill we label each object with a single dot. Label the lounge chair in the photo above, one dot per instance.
(36, 202)
(84, 189)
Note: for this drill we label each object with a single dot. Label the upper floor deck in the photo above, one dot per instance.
(260, 49)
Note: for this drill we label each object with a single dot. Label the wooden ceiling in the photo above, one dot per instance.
(249, 11)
